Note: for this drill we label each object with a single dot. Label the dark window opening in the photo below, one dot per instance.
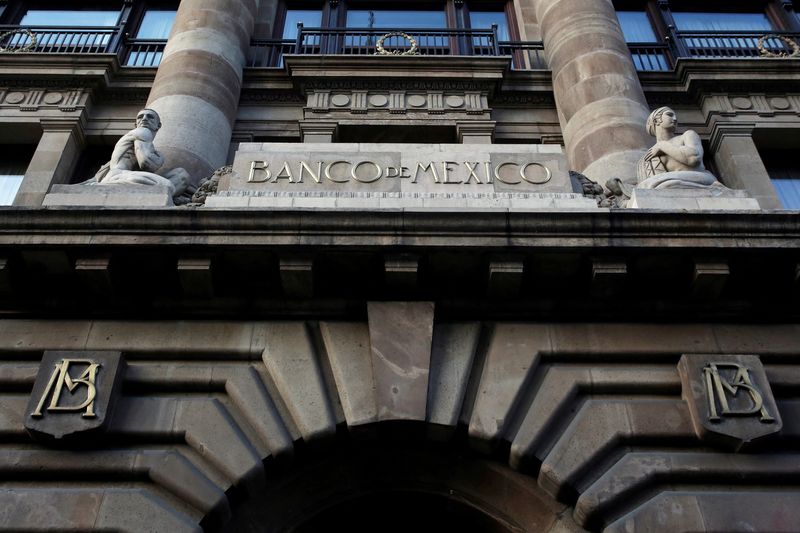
(784, 170)
(14, 161)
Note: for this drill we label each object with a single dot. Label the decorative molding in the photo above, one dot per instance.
(32, 99)
(361, 102)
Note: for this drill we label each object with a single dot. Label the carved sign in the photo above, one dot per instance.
(729, 397)
(74, 393)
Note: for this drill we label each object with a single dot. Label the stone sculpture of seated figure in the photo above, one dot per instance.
(135, 159)
(675, 161)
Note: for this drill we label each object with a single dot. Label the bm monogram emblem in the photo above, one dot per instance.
(74, 394)
(718, 388)
(62, 378)
(729, 399)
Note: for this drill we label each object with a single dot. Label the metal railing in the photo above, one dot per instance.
(419, 41)
(713, 45)
(525, 55)
(734, 44)
(142, 52)
(650, 56)
(59, 39)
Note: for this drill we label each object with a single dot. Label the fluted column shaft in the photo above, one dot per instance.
(197, 87)
(600, 101)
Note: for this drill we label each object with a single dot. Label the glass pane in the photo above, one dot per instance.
(390, 19)
(9, 185)
(789, 192)
(52, 17)
(692, 21)
(156, 25)
(636, 27)
(309, 17)
(483, 20)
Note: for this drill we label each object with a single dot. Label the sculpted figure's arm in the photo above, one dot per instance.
(689, 154)
(147, 156)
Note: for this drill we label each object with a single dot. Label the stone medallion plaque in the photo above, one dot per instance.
(74, 393)
(465, 176)
(729, 398)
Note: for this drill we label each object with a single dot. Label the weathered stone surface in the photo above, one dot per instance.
(601, 424)
(400, 336)
(512, 357)
(693, 200)
(640, 471)
(142, 196)
(729, 398)
(75, 393)
(731, 512)
(452, 356)
(292, 363)
(53, 162)
(563, 387)
(196, 90)
(601, 104)
(349, 352)
(85, 509)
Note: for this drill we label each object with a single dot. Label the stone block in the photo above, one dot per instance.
(452, 356)
(292, 363)
(400, 339)
(108, 196)
(348, 348)
(693, 200)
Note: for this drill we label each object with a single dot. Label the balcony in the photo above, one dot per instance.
(525, 55)
(81, 40)
(425, 42)
(713, 45)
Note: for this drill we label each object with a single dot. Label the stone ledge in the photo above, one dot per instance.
(693, 200)
(108, 196)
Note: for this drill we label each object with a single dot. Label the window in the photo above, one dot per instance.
(156, 24)
(784, 171)
(698, 21)
(14, 161)
(355, 27)
(308, 17)
(386, 19)
(646, 50)
(636, 27)
(483, 20)
(60, 17)
(147, 46)
(67, 31)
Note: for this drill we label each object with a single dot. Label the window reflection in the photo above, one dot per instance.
(58, 17)
(361, 18)
(483, 20)
(636, 27)
(156, 24)
(696, 21)
(310, 18)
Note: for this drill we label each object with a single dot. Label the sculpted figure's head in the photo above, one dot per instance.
(663, 117)
(147, 118)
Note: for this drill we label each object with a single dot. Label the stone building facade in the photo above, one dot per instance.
(411, 275)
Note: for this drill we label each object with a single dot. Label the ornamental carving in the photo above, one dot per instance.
(729, 398)
(382, 51)
(29, 99)
(788, 41)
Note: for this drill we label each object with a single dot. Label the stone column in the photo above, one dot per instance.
(600, 101)
(740, 165)
(53, 161)
(197, 87)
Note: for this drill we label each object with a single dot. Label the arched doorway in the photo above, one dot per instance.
(384, 481)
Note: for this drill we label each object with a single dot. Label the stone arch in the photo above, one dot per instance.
(209, 410)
